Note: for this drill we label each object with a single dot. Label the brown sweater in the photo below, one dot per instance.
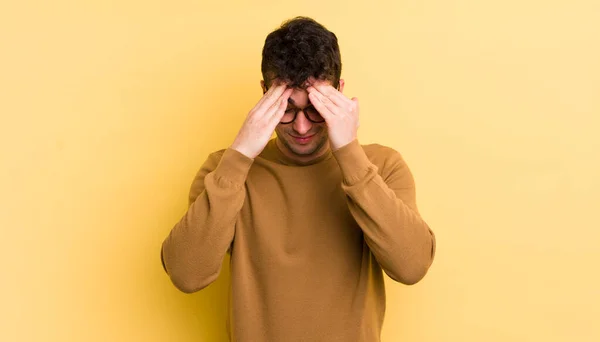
(308, 243)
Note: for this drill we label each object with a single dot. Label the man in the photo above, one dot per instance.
(311, 218)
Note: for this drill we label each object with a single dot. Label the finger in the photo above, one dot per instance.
(279, 107)
(271, 96)
(267, 93)
(280, 111)
(332, 107)
(335, 104)
(345, 104)
(320, 106)
(333, 94)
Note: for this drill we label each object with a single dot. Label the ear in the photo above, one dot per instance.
(262, 85)
(341, 87)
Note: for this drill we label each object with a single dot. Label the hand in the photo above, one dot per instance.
(340, 113)
(262, 120)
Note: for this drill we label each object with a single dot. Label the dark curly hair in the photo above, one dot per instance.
(301, 48)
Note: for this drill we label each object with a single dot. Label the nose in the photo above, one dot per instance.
(301, 125)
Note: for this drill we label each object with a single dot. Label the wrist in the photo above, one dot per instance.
(353, 162)
(243, 150)
(233, 167)
(336, 145)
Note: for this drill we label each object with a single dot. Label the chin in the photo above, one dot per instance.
(303, 150)
(308, 149)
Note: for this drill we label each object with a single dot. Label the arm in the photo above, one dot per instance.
(387, 213)
(193, 252)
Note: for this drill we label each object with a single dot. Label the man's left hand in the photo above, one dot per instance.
(340, 113)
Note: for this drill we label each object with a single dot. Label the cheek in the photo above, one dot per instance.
(280, 130)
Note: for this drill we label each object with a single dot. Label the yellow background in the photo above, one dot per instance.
(108, 108)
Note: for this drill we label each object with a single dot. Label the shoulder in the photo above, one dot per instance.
(382, 155)
(388, 160)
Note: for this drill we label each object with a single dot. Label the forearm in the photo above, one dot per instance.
(398, 237)
(194, 250)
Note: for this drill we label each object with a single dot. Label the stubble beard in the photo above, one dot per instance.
(318, 145)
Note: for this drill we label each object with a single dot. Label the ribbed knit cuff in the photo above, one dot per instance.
(353, 162)
(233, 167)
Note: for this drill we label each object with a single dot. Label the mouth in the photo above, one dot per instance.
(303, 140)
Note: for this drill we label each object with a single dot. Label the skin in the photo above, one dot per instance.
(262, 120)
(339, 129)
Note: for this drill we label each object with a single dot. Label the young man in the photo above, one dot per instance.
(311, 218)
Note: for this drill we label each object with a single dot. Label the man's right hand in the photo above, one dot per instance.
(262, 120)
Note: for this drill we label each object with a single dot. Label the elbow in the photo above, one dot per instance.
(410, 275)
(189, 285)
(412, 270)
(189, 281)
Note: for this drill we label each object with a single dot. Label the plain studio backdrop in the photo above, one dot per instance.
(109, 108)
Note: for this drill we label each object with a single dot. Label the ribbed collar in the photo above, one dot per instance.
(273, 153)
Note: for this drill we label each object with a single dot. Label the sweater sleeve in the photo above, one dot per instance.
(193, 252)
(386, 211)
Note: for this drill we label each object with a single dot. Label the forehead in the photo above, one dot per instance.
(269, 82)
(300, 96)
